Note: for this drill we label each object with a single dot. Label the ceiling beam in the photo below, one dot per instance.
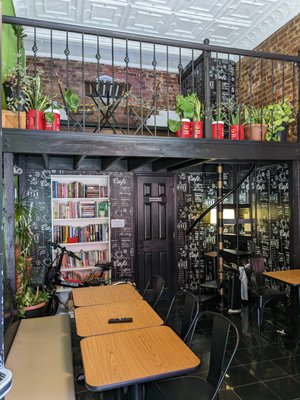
(108, 161)
(189, 163)
(46, 160)
(137, 162)
(78, 160)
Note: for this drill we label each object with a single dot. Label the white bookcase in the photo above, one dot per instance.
(80, 212)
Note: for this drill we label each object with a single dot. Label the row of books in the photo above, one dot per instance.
(85, 276)
(88, 259)
(82, 209)
(78, 190)
(79, 234)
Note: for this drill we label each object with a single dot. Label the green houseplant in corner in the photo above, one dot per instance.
(278, 117)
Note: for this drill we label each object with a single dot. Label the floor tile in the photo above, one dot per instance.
(289, 364)
(247, 355)
(286, 388)
(273, 351)
(265, 370)
(239, 375)
(256, 391)
(227, 395)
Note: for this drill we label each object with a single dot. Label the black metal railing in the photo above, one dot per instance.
(110, 82)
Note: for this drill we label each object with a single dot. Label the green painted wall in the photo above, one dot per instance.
(9, 43)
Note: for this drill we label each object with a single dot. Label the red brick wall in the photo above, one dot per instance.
(256, 75)
(142, 82)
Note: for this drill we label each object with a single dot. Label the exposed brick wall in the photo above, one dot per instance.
(142, 82)
(257, 84)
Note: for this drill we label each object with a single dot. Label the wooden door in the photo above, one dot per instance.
(155, 232)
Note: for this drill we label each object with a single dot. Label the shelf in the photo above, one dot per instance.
(234, 206)
(83, 243)
(75, 199)
(239, 221)
(92, 219)
(243, 235)
(78, 269)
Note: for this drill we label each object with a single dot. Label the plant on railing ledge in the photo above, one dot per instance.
(255, 122)
(187, 108)
(232, 114)
(278, 117)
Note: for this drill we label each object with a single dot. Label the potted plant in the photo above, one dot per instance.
(278, 117)
(185, 106)
(255, 123)
(71, 100)
(197, 124)
(218, 123)
(24, 238)
(38, 103)
(233, 116)
(30, 301)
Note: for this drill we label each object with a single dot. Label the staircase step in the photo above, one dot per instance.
(234, 254)
(210, 285)
(242, 235)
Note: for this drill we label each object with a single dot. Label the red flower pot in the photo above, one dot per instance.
(218, 130)
(237, 132)
(197, 129)
(55, 124)
(178, 133)
(35, 120)
(185, 129)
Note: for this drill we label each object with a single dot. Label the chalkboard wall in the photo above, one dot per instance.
(38, 186)
(195, 192)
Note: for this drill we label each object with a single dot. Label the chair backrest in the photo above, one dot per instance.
(186, 307)
(157, 284)
(258, 266)
(221, 330)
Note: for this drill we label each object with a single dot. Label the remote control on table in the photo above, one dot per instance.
(119, 320)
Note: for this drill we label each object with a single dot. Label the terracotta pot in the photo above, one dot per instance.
(56, 123)
(218, 130)
(35, 120)
(237, 132)
(255, 132)
(185, 129)
(37, 310)
(196, 129)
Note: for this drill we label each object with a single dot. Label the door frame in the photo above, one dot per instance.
(135, 223)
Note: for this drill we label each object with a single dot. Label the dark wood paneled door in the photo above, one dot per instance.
(155, 232)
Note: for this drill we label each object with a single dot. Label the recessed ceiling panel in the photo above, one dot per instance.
(234, 22)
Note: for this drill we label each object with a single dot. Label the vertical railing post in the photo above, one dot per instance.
(207, 97)
(220, 227)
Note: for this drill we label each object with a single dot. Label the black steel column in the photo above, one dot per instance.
(298, 113)
(220, 228)
(207, 100)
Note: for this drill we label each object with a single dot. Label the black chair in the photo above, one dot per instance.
(182, 314)
(263, 294)
(194, 387)
(157, 284)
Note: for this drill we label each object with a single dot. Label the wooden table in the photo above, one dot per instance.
(93, 320)
(133, 357)
(291, 277)
(91, 296)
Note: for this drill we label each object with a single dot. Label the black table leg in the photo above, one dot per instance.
(137, 392)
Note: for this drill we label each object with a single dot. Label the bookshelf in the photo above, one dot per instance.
(80, 211)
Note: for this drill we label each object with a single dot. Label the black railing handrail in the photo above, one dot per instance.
(146, 39)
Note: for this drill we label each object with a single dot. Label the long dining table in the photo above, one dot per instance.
(116, 355)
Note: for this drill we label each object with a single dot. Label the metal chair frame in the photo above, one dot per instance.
(158, 285)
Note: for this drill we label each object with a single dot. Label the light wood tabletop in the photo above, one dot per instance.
(95, 295)
(290, 276)
(135, 356)
(93, 320)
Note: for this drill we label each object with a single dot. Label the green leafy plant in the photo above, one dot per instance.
(37, 101)
(278, 117)
(254, 115)
(16, 84)
(24, 216)
(198, 108)
(187, 107)
(217, 113)
(27, 295)
(72, 100)
(232, 112)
